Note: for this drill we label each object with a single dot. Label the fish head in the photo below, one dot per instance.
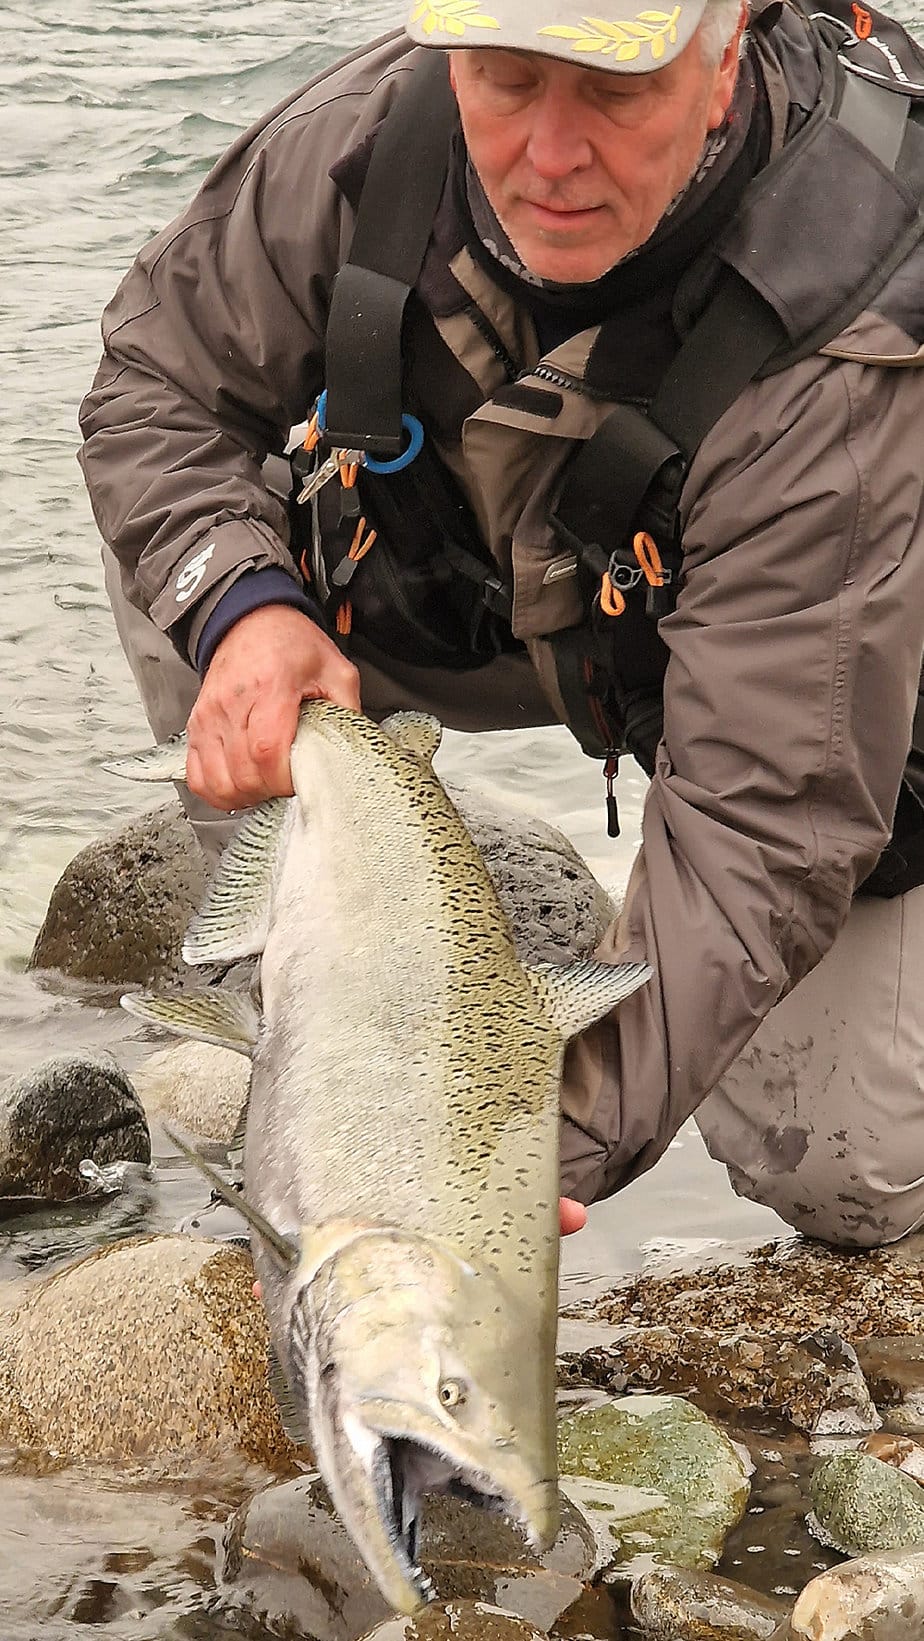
(398, 1345)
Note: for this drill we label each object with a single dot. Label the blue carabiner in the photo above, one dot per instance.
(412, 426)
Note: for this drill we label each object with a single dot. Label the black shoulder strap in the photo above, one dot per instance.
(612, 474)
(399, 201)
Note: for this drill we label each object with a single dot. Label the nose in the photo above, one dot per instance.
(557, 146)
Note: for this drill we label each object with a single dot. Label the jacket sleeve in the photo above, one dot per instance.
(213, 350)
(795, 657)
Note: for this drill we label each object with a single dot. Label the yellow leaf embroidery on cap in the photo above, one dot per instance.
(622, 40)
(450, 16)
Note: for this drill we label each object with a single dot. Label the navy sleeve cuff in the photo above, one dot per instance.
(250, 592)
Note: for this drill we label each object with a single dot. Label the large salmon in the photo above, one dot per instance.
(401, 1154)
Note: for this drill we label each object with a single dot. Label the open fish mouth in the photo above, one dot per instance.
(405, 1470)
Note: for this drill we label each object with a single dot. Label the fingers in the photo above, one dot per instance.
(572, 1216)
(241, 729)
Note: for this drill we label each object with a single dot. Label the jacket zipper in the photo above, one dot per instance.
(486, 330)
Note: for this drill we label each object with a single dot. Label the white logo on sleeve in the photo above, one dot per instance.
(192, 572)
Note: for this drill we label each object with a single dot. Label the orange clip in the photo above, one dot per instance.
(312, 433)
(359, 547)
(611, 599)
(348, 472)
(862, 22)
(646, 551)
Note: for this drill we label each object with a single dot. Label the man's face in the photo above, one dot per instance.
(579, 164)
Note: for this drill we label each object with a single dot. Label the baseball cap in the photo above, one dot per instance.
(630, 42)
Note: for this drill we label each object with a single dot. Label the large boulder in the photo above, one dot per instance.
(151, 1350)
(120, 909)
(69, 1109)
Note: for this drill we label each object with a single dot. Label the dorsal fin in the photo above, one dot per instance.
(417, 732)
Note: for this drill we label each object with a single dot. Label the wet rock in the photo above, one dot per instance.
(818, 1390)
(672, 1604)
(877, 1598)
(68, 1109)
(150, 1349)
(860, 1504)
(655, 1477)
(458, 1621)
(894, 1371)
(291, 1565)
(201, 1087)
(120, 909)
(793, 1328)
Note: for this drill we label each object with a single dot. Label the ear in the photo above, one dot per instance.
(726, 75)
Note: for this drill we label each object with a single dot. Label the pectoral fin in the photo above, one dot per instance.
(574, 995)
(226, 1018)
(234, 919)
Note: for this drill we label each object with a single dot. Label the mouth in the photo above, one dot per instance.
(562, 217)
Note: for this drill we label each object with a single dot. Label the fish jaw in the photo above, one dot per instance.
(380, 1459)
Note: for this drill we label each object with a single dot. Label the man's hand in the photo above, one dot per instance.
(241, 729)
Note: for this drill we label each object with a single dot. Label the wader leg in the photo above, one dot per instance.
(822, 1117)
(168, 688)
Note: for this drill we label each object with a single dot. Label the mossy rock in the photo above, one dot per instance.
(861, 1504)
(656, 1477)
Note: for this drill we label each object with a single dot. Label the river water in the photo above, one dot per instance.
(110, 113)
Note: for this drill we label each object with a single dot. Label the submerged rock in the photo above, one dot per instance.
(656, 1478)
(120, 910)
(860, 1504)
(671, 1604)
(291, 1565)
(68, 1109)
(149, 1349)
(457, 1621)
(877, 1598)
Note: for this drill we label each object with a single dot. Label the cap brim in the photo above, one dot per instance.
(633, 43)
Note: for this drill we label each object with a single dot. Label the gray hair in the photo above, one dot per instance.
(720, 19)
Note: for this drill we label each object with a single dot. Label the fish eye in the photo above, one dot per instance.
(451, 1393)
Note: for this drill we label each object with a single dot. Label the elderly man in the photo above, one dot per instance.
(608, 333)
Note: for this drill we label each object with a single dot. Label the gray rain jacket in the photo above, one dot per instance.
(796, 643)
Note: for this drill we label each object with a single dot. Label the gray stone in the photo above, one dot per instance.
(656, 1478)
(67, 1109)
(861, 1504)
(120, 909)
(287, 1555)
